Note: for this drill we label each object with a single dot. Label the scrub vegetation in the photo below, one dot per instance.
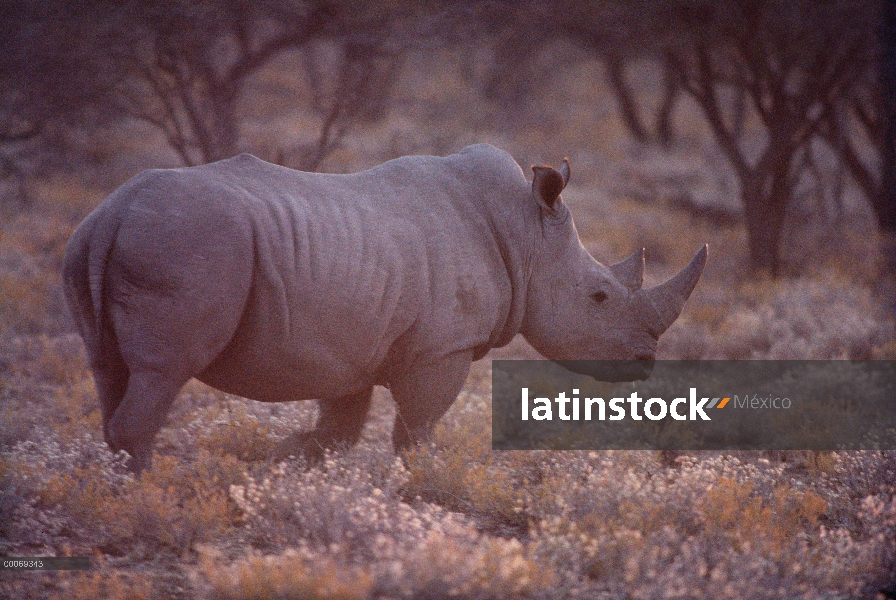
(216, 518)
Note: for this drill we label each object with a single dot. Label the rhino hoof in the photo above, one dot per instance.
(140, 463)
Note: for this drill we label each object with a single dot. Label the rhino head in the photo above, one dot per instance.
(578, 309)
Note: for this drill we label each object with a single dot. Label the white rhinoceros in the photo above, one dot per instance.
(278, 285)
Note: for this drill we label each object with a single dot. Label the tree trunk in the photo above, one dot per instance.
(764, 218)
(628, 108)
(671, 86)
(885, 204)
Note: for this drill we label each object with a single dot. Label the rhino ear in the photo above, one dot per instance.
(630, 272)
(565, 172)
(547, 185)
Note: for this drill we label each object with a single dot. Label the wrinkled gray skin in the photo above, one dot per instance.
(279, 285)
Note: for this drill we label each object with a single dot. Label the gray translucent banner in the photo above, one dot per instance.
(44, 563)
(694, 405)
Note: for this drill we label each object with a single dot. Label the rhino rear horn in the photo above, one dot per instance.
(630, 272)
(665, 301)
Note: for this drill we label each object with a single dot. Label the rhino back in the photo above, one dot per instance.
(347, 277)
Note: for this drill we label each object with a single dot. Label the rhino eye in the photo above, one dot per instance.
(599, 296)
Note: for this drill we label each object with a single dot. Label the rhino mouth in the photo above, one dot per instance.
(611, 371)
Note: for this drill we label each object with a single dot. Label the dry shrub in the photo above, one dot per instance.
(109, 586)
(23, 301)
(480, 566)
(815, 463)
(349, 505)
(598, 523)
(76, 410)
(13, 427)
(462, 473)
(37, 240)
(281, 577)
(349, 509)
(9, 499)
(645, 515)
(48, 386)
(767, 525)
(83, 486)
(170, 507)
(48, 360)
(54, 470)
(821, 317)
(239, 434)
(173, 505)
(504, 568)
(482, 488)
(62, 360)
(31, 248)
(708, 528)
(69, 196)
(804, 318)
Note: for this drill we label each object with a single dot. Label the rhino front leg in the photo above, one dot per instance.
(424, 394)
(338, 426)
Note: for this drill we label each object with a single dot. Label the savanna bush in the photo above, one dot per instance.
(822, 317)
(481, 486)
(278, 577)
(109, 585)
(348, 504)
(707, 529)
(239, 434)
(84, 487)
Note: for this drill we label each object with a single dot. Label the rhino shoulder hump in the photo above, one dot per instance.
(488, 160)
(243, 159)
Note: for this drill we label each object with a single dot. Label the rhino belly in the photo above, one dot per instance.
(272, 380)
(310, 356)
(262, 369)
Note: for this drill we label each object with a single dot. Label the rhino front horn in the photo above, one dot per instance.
(665, 301)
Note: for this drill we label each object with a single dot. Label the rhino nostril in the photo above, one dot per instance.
(644, 356)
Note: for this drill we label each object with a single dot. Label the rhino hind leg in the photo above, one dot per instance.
(424, 395)
(169, 322)
(111, 384)
(141, 414)
(338, 427)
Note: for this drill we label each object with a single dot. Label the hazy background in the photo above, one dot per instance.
(763, 127)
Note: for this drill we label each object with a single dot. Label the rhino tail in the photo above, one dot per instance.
(84, 271)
